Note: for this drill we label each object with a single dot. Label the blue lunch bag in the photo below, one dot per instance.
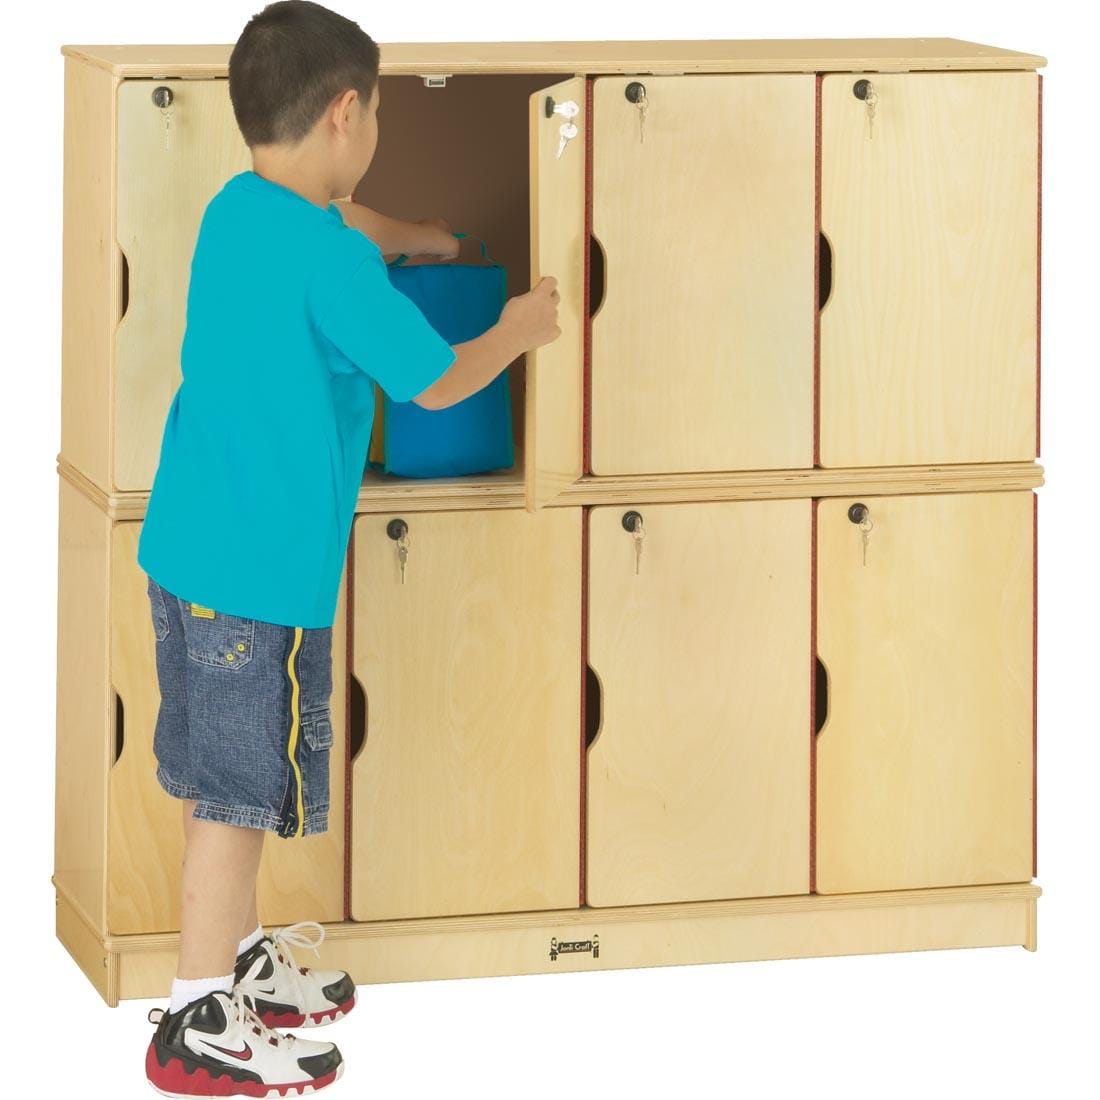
(460, 301)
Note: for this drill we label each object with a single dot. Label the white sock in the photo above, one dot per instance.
(186, 990)
(250, 940)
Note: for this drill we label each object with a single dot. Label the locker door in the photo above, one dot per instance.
(299, 879)
(702, 346)
(929, 339)
(166, 176)
(466, 791)
(699, 774)
(924, 760)
(555, 372)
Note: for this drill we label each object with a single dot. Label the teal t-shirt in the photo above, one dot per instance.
(291, 318)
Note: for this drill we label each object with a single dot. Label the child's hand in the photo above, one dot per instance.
(434, 238)
(533, 317)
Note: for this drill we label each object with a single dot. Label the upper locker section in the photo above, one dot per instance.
(929, 212)
(693, 164)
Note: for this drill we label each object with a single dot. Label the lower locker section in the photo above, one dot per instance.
(466, 790)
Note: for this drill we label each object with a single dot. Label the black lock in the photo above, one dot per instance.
(397, 529)
(162, 96)
(635, 91)
(861, 88)
(631, 520)
(857, 513)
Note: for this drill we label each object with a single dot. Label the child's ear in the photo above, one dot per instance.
(344, 106)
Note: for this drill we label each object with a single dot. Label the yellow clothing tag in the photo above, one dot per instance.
(201, 612)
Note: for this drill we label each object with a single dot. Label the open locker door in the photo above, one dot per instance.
(555, 372)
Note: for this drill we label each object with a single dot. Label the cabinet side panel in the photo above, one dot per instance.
(90, 284)
(84, 723)
(1039, 269)
(1034, 685)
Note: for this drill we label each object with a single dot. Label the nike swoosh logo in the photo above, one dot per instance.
(241, 1055)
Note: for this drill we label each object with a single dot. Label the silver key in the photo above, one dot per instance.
(567, 132)
(871, 100)
(403, 554)
(865, 530)
(638, 534)
(642, 104)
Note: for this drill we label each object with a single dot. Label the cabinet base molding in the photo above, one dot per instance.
(804, 926)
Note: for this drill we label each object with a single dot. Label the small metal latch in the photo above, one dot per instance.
(435, 80)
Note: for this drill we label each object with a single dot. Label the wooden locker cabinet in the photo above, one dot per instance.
(552, 754)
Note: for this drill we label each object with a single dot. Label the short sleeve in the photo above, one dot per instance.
(384, 333)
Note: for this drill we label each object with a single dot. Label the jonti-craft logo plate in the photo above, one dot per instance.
(574, 947)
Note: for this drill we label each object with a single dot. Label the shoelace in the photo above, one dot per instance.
(243, 1012)
(294, 934)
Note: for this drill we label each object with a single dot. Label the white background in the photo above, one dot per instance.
(997, 1021)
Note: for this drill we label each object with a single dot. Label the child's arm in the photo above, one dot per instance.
(527, 321)
(428, 237)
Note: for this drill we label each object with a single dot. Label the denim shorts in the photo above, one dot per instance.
(245, 725)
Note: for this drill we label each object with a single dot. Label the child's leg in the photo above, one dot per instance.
(218, 889)
(252, 919)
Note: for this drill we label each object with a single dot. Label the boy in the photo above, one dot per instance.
(290, 320)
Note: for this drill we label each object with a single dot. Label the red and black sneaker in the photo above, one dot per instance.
(289, 995)
(218, 1046)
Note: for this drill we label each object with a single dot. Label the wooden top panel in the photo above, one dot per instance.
(697, 55)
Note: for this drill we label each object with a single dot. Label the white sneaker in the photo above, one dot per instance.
(217, 1046)
(289, 995)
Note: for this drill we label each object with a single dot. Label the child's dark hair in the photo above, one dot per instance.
(289, 63)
